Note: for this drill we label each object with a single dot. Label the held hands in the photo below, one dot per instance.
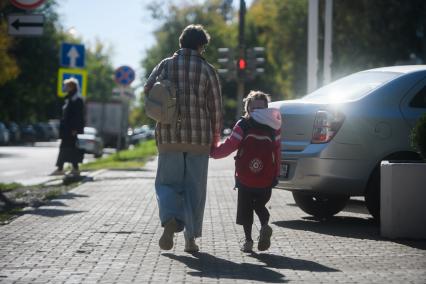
(216, 141)
(215, 144)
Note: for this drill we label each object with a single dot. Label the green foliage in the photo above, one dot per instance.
(418, 136)
(368, 34)
(32, 92)
(9, 186)
(10, 69)
(137, 116)
(209, 14)
(100, 72)
(280, 27)
(29, 69)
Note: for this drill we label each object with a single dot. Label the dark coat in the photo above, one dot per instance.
(72, 120)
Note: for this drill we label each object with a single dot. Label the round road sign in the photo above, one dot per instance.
(27, 4)
(124, 75)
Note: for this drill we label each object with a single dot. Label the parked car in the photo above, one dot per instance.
(4, 134)
(43, 131)
(28, 134)
(14, 131)
(54, 128)
(334, 139)
(91, 142)
(140, 134)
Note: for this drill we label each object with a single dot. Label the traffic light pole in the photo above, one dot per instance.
(241, 51)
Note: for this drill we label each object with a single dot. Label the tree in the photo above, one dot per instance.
(209, 14)
(28, 77)
(100, 70)
(366, 34)
(10, 69)
(370, 34)
(31, 94)
(280, 27)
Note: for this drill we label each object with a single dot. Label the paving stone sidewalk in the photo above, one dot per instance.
(107, 231)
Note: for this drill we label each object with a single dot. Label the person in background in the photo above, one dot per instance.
(256, 136)
(71, 124)
(184, 145)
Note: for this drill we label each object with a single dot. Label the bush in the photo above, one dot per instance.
(418, 136)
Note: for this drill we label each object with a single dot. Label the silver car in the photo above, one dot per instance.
(90, 142)
(334, 139)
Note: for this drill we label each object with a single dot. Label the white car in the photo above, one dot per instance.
(90, 142)
(334, 139)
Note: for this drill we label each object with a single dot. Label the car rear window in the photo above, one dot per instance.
(350, 88)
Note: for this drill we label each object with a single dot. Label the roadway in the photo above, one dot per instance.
(29, 164)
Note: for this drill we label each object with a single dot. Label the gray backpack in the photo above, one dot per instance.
(161, 102)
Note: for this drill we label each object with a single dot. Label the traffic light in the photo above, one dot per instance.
(255, 61)
(227, 63)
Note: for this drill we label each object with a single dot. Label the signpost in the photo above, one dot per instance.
(26, 4)
(66, 73)
(72, 55)
(25, 24)
(123, 76)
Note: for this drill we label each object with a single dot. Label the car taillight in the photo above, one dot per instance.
(326, 125)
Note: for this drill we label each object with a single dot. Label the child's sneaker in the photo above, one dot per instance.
(247, 246)
(264, 238)
(166, 240)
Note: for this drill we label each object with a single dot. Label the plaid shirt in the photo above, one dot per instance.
(199, 96)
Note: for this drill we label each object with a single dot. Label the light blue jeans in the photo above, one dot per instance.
(180, 186)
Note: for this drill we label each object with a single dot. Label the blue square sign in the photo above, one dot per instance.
(66, 73)
(72, 55)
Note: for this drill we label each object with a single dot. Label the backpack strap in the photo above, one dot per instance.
(176, 82)
(247, 123)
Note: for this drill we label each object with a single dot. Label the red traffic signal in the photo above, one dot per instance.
(242, 64)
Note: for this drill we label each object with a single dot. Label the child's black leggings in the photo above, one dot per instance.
(252, 200)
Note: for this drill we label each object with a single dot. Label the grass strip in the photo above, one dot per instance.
(4, 187)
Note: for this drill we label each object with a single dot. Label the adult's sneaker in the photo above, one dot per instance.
(190, 245)
(166, 240)
(264, 238)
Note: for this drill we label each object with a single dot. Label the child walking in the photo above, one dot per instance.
(257, 137)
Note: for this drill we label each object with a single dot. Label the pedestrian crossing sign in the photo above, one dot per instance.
(66, 73)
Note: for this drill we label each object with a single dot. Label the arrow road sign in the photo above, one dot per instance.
(25, 24)
(72, 55)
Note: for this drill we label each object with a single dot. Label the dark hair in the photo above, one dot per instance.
(194, 36)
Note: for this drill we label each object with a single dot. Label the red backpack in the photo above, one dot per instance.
(255, 162)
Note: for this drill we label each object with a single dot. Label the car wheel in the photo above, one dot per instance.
(372, 195)
(320, 206)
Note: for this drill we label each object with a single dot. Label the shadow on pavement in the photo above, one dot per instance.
(49, 212)
(356, 206)
(70, 195)
(282, 262)
(213, 267)
(347, 227)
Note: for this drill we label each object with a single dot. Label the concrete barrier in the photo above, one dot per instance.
(403, 200)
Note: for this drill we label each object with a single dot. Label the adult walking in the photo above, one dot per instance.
(184, 145)
(71, 124)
